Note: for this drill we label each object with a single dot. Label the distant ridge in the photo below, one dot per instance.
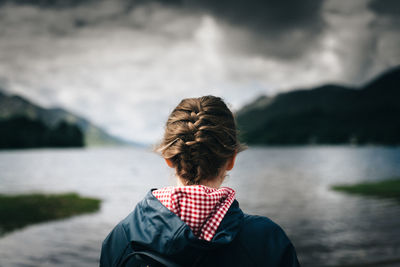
(17, 106)
(329, 114)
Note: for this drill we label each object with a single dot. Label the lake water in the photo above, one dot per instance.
(289, 185)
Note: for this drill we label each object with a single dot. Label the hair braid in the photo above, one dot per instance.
(200, 136)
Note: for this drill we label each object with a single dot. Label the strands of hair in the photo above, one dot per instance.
(200, 136)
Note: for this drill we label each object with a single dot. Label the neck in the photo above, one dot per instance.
(213, 183)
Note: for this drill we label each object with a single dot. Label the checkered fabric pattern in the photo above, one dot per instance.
(202, 208)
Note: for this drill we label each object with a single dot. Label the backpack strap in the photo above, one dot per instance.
(151, 255)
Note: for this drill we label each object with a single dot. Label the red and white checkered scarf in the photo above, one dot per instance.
(202, 208)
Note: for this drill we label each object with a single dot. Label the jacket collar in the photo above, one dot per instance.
(153, 226)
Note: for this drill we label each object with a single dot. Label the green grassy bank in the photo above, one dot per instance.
(18, 211)
(386, 189)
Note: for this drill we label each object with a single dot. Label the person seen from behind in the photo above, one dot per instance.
(198, 222)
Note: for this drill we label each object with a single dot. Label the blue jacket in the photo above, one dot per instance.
(241, 239)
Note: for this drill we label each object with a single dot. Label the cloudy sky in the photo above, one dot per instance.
(126, 64)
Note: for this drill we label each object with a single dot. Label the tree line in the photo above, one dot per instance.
(24, 132)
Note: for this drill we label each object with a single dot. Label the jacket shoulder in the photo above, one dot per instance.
(116, 244)
(260, 223)
(267, 242)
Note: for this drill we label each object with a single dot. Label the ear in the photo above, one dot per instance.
(169, 163)
(231, 162)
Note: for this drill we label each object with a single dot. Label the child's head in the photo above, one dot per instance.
(200, 137)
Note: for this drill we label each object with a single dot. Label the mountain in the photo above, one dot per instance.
(12, 106)
(329, 114)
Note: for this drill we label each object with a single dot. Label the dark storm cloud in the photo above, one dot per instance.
(386, 7)
(48, 3)
(272, 15)
(275, 28)
(266, 17)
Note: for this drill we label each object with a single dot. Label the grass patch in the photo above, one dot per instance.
(385, 189)
(18, 211)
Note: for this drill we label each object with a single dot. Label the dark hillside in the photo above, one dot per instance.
(16, 106)
(329, 114)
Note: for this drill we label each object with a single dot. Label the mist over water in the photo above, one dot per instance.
(289, 185)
